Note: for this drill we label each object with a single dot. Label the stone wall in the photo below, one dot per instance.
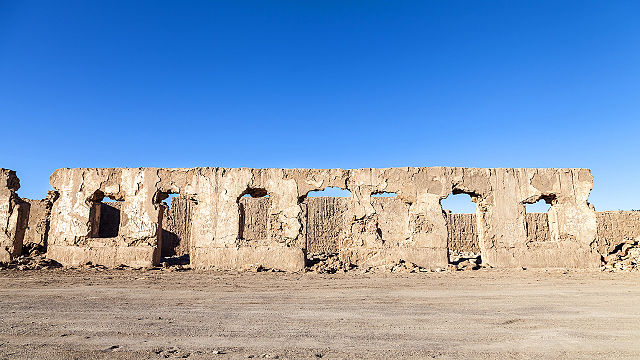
(13, 216)
(253, 219)
(462, 232)
(176, 227)
(537, 227)
(38, 222)
(373, 231)
(614, 227)
(222, 228)
(325, 223)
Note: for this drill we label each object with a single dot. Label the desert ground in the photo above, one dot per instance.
(484, 314)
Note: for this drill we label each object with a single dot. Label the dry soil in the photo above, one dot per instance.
(486, 314)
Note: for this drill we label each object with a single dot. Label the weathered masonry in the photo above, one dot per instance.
(12, 216)
(229, 218)
(413, 228)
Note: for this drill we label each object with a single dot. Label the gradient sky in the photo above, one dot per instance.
(323, 84)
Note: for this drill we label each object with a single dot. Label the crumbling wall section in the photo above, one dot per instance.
(38, 222)
(462, 232)
(463, 235)
(254, 217)
(376, 231)
(616, 227)
(326, 223)
(176, 227)
(73, 239)
(13, 216)
(572, 222)
(537, 225)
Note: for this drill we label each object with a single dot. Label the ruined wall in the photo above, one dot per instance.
(176, 227)
(13, 216)
(253, 219)
(537, 225)
(462, 232)
(73, 237)
(614, 227)
(375, 230)
(38, 222)
(572, 221)
(326, 223)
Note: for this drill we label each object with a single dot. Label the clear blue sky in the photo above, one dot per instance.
(323, 84)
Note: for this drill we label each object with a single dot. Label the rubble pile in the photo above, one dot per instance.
(402, 266)
(257, 268)
(624, 257)
(464, 260)
(330, 263)
(327, 263)
(33, 261)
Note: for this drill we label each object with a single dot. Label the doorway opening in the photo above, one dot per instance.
(175, 228)
(325, 228)
(459, 211)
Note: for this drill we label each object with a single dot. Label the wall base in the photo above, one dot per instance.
(109, 256)
(543, 256)
(430, 258)
(280, 258)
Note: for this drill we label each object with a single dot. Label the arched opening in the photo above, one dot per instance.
(105, 215)
(536, 218)
(540, 206)
(169, 201)
(459, 211)
(253, 211)
(458, 203)
(330, 191)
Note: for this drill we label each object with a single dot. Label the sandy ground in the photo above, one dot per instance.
(65, 314)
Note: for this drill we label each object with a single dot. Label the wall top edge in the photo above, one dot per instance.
(323, 169)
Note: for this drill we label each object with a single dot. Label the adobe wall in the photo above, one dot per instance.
(38, 222)
(462, 232)
(176, 227)
(13, 216)
(614, 227)
(254, 217)
(375, 230)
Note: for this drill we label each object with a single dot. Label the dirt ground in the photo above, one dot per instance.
(485, 314)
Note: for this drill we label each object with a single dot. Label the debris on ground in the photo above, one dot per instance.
(624, 257)
(327, 263)
(464, 260)
(33, 261)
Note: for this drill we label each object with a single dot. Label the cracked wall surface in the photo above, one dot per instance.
(13, 216)
(614, 228)
(372, 230)
(38, 222)
(176, 228)
(462, 232)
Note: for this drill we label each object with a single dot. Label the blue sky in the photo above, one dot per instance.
(322, 84)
